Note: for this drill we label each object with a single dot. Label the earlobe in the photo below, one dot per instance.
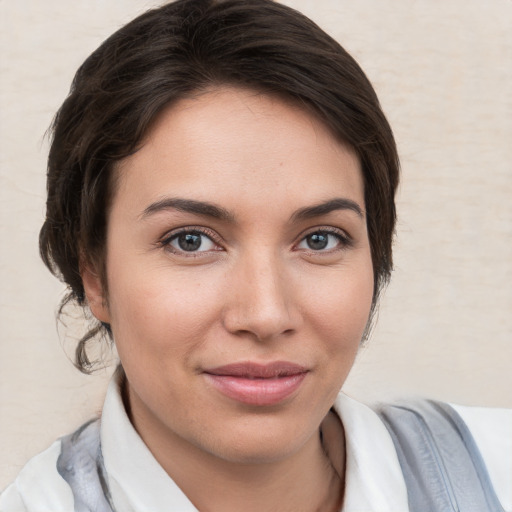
(94, 291)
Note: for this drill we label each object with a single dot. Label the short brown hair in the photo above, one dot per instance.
(169, 53)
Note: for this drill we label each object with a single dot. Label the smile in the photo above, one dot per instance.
(256, 384)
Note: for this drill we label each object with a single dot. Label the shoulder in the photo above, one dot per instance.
(64, 475)
(391, 447)
(39, 487)
(466, 447)
(491, 429)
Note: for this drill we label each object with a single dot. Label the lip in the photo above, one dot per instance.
(257, 384)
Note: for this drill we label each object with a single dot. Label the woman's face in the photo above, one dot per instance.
(239, 275)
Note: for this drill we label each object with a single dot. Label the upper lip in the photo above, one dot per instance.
(252, 370)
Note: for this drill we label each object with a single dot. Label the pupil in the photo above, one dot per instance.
(317, 241)
(189, 241)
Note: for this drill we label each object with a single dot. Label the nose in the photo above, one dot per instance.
(262, 300)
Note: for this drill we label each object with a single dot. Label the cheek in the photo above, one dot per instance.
(340, 311)
(155, 313)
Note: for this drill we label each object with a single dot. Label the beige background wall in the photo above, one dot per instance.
(443, 70)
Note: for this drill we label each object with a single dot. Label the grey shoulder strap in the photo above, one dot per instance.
(442, 466)
(80, 464)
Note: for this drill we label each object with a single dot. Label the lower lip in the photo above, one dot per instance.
(257, 391)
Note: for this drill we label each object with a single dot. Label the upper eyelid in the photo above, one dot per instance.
(210, 233)
(217, 239)
(344, 239)
(325, 229)
(169, 236)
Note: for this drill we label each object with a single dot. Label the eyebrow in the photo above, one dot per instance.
(217, 212)
(339, 203)
(188, 206)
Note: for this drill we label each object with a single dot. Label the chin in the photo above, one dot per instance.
(260, 442)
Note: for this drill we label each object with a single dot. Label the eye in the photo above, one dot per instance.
(323, 241)
(191, 241)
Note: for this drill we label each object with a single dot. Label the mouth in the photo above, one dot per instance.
(257, 384)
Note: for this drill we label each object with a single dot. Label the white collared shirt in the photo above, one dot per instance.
(374, 481)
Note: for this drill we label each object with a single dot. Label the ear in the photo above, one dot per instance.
(95, 293)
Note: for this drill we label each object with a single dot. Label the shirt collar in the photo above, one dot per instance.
(373, 477)
(136, 480)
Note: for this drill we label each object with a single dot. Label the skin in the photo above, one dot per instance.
(255, 291)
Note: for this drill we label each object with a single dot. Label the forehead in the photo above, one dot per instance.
(240, 145)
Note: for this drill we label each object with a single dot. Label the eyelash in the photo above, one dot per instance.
(343, 239)
(193, 230)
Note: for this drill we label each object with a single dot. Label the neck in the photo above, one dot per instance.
(307, 481)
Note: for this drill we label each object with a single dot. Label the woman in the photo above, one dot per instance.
(221, 196)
